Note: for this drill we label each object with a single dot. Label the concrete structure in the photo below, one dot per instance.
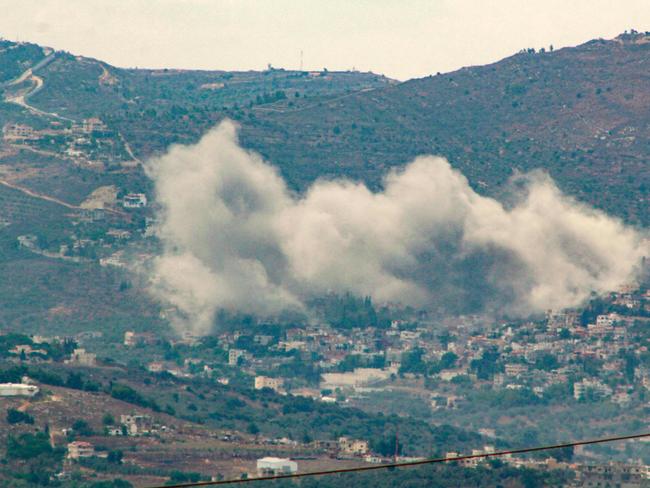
(270, 466)
(16, 132)
(234, 355)
(80, 449)
(450, 374)
(599, 389)
(516, 369)
(134, 200)
(93, 125)
(137, 424)
(17, 389)
(354, 379)
(28, 241)
(80, 356)
(353, 447)
(156, 367)
(134, 338)
(267, 382)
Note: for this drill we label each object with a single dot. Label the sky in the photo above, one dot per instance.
(399, 38)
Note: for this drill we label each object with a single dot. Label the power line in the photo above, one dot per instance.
(409, 463)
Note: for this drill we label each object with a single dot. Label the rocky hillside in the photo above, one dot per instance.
(582, 114)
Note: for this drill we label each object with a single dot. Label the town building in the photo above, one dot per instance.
(93, 124)
(134, 200)
(354, 379)
(82, 358)
(80, 449)
(17, 389)
(272, 466)
(17, 132)
(353, 447)
(598, 388)
(155, 367)
(516, 369)
(132, 339)
(234, 355)
(137, 424)
(267, 382)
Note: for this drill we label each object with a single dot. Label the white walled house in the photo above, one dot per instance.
(17, 389)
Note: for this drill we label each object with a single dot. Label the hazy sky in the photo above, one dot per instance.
(400, 38)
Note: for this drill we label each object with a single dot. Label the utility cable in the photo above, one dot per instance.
(409, 464)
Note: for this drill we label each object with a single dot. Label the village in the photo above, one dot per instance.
(559, 357)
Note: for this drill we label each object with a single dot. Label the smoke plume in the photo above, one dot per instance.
(235, 238)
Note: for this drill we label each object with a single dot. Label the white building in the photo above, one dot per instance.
(516, 369)
(80, 356)
(268, 382)
(17, 389)
(80, 449)
(28, 241)
(137, 424)
(450, 374)
(621, 398)
(599, 389)
(607, 320)
(13, 132)
(134, 200)
(354, 379)
(93, 125)
(354, 447)
(155, 367)
(234, 355)
(271, 466)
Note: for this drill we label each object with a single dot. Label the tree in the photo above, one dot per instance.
(563, 455)
(75, 381)
(386, 446)
(16, 417)
(448, 360)
(116, 483)
(253, 428)
(546, 362)
(81, 427)
(412, 362)
(28, 446)
(115, 457)
(631, 363)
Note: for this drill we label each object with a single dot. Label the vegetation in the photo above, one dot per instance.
(17, 417)
(438, 476)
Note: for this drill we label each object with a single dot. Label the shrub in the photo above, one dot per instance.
(16, 417)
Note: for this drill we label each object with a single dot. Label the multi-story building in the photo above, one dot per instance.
(80, 449)
(353, 447)
(599, 389)
(268, 382)
(234, 355)
(82, 357)
(137, 424)
(516, 369)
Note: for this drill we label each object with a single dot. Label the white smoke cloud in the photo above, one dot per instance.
(235, 238)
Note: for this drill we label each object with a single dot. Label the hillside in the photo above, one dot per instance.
(76, 220)
(70, 107)
(579, 113)
(234, 425)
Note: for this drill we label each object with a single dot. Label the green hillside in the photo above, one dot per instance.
(582, 114)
